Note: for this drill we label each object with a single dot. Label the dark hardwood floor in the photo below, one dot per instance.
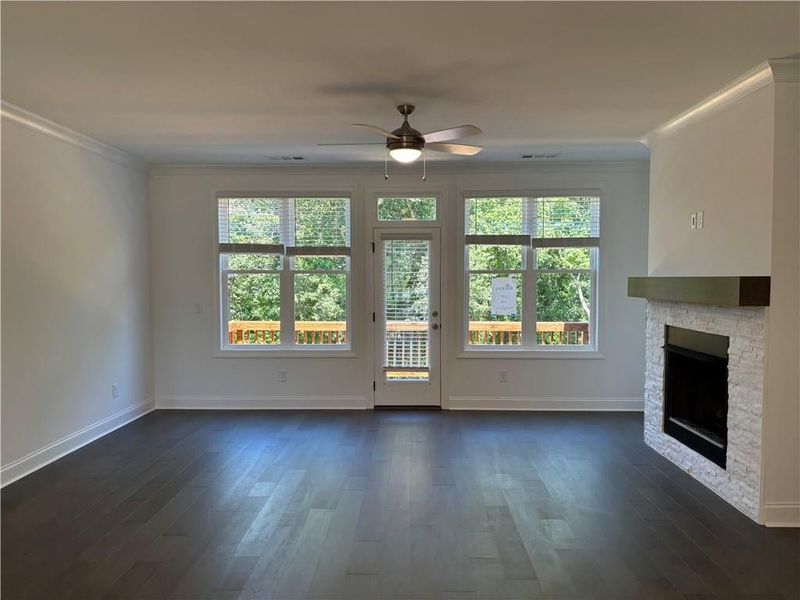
(381, 505)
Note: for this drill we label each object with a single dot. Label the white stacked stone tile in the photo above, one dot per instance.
(746, 328)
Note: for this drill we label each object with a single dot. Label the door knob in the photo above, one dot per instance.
(435, 326)
(435, 313)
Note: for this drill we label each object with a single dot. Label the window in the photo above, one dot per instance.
(284, 272)
(531, 271)
(406, 209)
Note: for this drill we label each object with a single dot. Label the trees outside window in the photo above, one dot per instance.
(548, 247)
(285, 268)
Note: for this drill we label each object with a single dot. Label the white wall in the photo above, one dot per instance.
(720, 164)
(75, 293)
(187, 372)
(781, 458)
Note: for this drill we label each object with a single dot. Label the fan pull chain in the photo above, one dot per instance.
(386, 165)
(424, 164)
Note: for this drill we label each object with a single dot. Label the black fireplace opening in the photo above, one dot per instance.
(696, 391)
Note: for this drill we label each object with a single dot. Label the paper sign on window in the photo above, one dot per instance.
(504, 296)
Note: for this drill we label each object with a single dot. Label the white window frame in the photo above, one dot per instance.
(287, 280)
(529, 349)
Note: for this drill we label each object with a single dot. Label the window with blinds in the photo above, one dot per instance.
(284, 272)
(406, 285)
(531, 271)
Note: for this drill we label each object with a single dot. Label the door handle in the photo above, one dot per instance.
(435, 313)
(435, 326)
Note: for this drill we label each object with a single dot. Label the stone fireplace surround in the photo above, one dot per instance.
(739, 483)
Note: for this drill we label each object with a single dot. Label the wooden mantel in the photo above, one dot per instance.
(719, 291)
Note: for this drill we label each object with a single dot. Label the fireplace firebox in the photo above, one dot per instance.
(696, 391)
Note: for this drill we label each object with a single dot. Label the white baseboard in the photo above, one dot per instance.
(47, 454)
(780, 514)
(263, 402)
(556, 404)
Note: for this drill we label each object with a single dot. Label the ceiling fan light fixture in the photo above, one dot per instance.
(405, 155)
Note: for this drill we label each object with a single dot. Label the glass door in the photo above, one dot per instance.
(407, 323)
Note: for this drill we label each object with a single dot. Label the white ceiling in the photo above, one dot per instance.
(198, 82)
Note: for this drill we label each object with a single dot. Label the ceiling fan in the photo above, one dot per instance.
(405, 144)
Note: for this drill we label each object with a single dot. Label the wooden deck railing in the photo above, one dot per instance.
(268, 332)
(480, 332)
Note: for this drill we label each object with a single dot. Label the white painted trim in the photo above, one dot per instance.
(263, 402)
(23, 117)
(505, 168)
(555, 404)
(44, 456)
(539, 353)
(325, 351)
(780, 514)
(756, 78)
(785, 70)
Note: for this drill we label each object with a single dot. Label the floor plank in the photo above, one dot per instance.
(399, 505)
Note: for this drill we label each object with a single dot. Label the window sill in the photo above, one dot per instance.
(285, 353)
(588, 354)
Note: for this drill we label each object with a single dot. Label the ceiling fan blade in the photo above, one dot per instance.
(354, 144)
(454, 133)
(378, 130)
(462, 149)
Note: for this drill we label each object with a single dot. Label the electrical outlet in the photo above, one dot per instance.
(115, 390)
(282, 376)
(700, 219)
(502, 376)
(693, 220)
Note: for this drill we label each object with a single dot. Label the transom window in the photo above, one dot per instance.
(406, 208)
(531, 272)
(284, 272)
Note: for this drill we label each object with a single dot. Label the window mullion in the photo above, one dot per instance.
(287, 276)
(593, 279)
(225, 311)
(529, 299)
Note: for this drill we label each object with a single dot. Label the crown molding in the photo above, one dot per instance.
(785, 70)
(23, 117)
(771, 71)
(369, 169)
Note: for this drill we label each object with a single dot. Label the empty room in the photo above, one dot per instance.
(400, 300)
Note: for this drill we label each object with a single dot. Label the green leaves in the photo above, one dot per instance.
(254, 297)
(406, 209)
(495, 258)
(320, 297)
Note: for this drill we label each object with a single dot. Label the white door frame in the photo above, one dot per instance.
(408, 393)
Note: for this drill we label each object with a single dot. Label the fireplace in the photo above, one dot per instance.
(696, 391)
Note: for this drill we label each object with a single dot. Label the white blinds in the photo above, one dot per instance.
(291, 226)
(540, 221)
(250, 225)
(321, 227)
(565, 221)
(406, 304)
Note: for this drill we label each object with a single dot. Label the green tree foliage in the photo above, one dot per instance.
(321, 283)
(407, 209)
(559, 296)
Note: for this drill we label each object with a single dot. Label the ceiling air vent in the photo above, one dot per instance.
(541, 156)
